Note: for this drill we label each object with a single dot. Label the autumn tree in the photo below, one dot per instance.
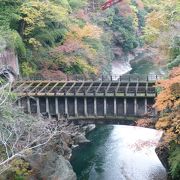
(168, 104)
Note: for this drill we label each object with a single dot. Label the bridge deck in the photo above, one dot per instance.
(85, 88)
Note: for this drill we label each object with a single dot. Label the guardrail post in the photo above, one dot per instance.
(102, 78)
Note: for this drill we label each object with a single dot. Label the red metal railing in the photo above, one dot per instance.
(109, 3)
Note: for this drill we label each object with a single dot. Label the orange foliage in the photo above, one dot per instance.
(88, 30)
(82, 15)
(145, 123)
(140, 4)
(169, 96)
(75, 41)
(125, 9)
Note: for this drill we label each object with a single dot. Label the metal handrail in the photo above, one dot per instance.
(80, 77)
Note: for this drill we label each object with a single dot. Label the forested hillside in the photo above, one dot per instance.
(77, 37)
(52, 35)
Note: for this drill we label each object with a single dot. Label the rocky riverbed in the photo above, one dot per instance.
(52, 161)
(55, 161)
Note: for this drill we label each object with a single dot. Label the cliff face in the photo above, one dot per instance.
(8, 58)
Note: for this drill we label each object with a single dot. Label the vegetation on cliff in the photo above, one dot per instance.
(168, 104)
(162, 34)
(20, 134)
(52, 35)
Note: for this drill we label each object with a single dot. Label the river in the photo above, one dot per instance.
(120, 152)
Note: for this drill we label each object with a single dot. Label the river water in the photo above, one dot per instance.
(120, 152)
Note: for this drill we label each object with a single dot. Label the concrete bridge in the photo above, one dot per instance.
(100, 101)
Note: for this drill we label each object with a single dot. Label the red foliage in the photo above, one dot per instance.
(69, 46)
(125, 9)
(145, 123)
(52, 74)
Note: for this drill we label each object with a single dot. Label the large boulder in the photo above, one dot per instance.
(90, 128)
(80, 138)
(52, 166)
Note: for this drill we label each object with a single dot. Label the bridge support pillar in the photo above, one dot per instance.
(38, 106)
(135, 106)
(115, 107)
(57, 108)
(75, 107)
(85, 106)
(19, 103)
(47, 106)
(145, 106)
(125, 106)
(95, 106)
(105, 107)
(66, 106)
(28, 105)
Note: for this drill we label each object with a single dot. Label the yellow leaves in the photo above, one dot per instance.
(27, 70)
(160, 19)
(36, 44)
(163, 123)
(150, 34)
(84, 65)
(155, 22)
(20, 167)
(88, 30)
(157, 19)
(34, 13)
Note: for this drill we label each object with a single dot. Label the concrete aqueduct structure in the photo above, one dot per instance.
(100, 101)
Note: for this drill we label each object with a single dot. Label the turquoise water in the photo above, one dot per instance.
(147, 67)
(119, 153)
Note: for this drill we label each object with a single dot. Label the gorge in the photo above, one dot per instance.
(120, 152)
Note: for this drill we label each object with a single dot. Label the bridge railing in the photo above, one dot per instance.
(80, 77)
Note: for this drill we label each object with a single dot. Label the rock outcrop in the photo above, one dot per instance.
(51, 166)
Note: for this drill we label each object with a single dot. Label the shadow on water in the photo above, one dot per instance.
(90, 157)
(146, 67)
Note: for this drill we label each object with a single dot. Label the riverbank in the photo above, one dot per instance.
(52, 160)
